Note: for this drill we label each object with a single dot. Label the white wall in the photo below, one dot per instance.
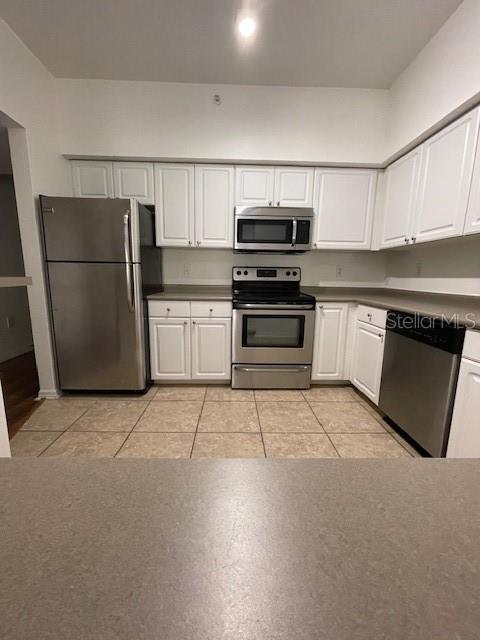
(175, 120)
(203, 266)
(27, 97)
(444, 76)
(450, 266)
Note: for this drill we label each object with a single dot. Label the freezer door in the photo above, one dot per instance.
(90, 229)
(97, 315)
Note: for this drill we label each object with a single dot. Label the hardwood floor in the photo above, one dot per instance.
(20, 388)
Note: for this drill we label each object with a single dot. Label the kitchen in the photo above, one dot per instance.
(245, 238)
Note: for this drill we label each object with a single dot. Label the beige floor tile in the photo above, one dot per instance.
(89, 445)
(170, 415)
(413, 452)
(345, 417)
(298, 445)
(179, 392)
(157, 445)
(31, 443)
(367, 445)
(329, 394)
(56, 415)
(228, 445)
(287, 417)
(229, 416)
(279, 395)
(227, 394)
(110, 415)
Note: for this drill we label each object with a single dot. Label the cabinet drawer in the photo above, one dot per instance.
(471, 347)
(205, 309)
(168, 309)
(371, 315)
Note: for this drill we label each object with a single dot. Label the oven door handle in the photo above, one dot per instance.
(295, 369)
(280, 307)
(294, 232)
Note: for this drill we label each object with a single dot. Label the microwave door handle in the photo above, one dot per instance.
(294, 232)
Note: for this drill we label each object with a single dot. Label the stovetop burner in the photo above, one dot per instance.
(272, 286)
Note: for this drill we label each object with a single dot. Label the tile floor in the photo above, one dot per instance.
(211, 422)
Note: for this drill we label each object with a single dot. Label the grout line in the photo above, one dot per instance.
(48, 445)
(131, 430)
(198, 421)
(259, 424)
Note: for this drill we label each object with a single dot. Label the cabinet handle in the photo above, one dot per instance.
(320, 306)
(168, 310)
(185, 322)
(211, 310)
(278, 203)
(269, 203)
(314, 244)
(189, 243)
(414, 239)
(407, 240)
(380, 335)
(198, 243)
(193, 322)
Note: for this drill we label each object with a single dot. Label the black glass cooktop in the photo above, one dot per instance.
(273, 297)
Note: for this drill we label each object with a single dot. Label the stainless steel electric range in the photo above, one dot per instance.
(273, 329)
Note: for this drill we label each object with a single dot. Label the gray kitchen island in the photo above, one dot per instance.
(240, 549)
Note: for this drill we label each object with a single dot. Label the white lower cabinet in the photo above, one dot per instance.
(368, 359)
(170, 348)
(186, 348)
(211, 348)
(464, 440)
(330, 339)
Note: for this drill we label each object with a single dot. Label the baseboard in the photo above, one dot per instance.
(50, 394)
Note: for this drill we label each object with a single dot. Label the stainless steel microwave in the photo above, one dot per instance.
(273, 229)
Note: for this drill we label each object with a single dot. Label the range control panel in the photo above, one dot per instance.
(266, 274)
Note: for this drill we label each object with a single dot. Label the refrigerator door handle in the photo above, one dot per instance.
(128, 264)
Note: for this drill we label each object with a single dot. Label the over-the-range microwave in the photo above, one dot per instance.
(273, 229)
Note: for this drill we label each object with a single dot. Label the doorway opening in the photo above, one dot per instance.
(18, 370)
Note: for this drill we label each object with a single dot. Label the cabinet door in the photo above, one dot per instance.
(254, 186)
(472, 221)
(211, 348)
(344, 201)
(92, 179)
(170, 348)
(368, 360)
(445, 180)
(330, 338)
(174, 204)
(134, 180)
(464, 440)
(293, 187)
(401, 191)
(214, 200)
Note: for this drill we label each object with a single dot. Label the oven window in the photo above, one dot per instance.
(273, 331)
(264, 231)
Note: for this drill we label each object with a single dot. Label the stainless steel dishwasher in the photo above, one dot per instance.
(419, 376)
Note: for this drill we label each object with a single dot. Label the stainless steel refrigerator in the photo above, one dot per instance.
(101, 261)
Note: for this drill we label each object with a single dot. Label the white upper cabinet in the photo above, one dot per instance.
(211, 348)
(293, 187)
(174, 204)
(92, 179)
(401, 190)
(445, 179)
(472, 221)
(134, 180)
(214, 202)
(254, 186)
(344, 203)
(330, 339)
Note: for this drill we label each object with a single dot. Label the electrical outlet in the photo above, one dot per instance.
(339, 271)
(187, 269)
(419, 268)
(10, 322)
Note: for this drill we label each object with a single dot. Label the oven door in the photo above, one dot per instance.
(272, 233)
(273, 336)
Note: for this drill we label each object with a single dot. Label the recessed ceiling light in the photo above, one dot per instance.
(246, 27)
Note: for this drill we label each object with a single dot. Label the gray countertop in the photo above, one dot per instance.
(240, 550)
(465, 308)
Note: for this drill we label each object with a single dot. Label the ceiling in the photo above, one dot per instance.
(338, 43)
